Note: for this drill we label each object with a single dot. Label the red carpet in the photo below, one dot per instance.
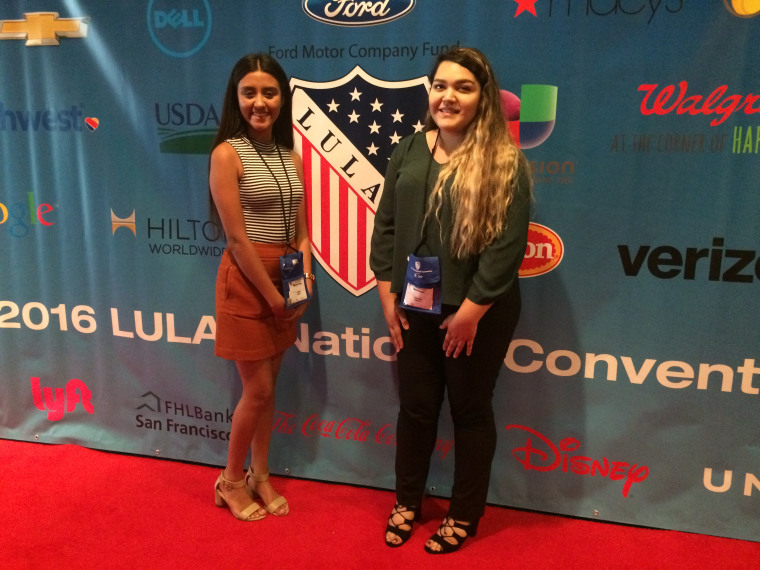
(67, 507)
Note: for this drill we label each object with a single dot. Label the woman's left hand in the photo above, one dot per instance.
(461, 328)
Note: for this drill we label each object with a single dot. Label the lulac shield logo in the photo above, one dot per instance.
(346, 130)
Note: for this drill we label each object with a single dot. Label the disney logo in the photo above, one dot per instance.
(357, 12)
(553, 457)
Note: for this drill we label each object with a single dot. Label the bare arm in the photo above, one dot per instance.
(302, 239)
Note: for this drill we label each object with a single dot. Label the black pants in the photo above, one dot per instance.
(424, 374)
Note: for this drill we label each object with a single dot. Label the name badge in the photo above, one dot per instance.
(293, 280)
(422, 285)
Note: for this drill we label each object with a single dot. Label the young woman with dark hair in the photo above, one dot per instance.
(256, 188)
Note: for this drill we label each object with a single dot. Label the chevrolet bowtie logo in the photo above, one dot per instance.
(43, 28)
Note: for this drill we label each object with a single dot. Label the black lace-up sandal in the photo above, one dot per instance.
(400, 524)
(452, 530)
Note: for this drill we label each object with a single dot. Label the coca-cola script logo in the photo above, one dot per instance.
(357, 13)
(546, 456)
(355, 430)
(543, 252)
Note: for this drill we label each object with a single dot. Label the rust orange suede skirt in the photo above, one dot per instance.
(246, 328)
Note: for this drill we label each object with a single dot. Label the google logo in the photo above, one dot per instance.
(16, 214)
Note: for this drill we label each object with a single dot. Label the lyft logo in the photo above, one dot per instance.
(58, 401)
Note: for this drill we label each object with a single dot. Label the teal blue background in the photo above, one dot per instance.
(615, 195)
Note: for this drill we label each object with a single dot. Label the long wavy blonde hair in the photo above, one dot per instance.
(483, 169)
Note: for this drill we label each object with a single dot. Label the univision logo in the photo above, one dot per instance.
(357, 13)
(530, 119)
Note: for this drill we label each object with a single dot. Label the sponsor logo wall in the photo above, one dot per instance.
(630, 390)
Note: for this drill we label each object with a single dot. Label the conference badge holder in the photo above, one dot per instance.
(294, 287)
(422, 285)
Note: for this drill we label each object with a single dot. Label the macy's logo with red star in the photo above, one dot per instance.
(526, 6)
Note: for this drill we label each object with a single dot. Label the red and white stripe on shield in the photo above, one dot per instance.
(340, 221)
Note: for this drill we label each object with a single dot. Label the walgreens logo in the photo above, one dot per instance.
(671, 98)
(357, 13)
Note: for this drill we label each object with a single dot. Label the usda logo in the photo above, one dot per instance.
(179, 28)
(357, 13)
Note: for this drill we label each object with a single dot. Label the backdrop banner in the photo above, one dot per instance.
(631, 387)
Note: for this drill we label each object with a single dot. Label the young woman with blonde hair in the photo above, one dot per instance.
(460, 193)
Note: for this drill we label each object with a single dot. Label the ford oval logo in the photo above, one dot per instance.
(357, 13)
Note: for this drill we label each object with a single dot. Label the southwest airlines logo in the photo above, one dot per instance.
(43, 28)
(357, 13)
(743, 8)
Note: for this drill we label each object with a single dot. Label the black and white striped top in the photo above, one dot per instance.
(261, 197)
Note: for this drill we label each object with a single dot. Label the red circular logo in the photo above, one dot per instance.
(543, 253)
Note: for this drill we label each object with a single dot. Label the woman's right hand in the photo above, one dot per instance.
(394, 315)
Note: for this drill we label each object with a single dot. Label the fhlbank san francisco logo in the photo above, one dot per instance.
(157, 414)
(179, 28)
(357, 12)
